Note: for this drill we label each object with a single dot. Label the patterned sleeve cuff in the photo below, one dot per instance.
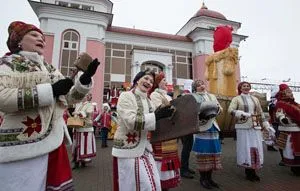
(84, 89)
(40, 95)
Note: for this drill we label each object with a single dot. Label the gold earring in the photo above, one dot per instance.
(19, 46)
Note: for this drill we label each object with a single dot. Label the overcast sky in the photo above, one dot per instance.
(272, 26)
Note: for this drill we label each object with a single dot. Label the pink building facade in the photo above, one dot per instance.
(74, 26)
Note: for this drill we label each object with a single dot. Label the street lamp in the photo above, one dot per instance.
(288, 80)
(244, 77)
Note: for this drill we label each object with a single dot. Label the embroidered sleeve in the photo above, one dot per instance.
(132, 117)
(18, 99)
(156, 99)
(78, 91)
(233, 107)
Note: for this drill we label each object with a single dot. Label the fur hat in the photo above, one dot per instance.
(158, 78)
(16, 31)
(105, 105)
(139, 75)
(283, 88)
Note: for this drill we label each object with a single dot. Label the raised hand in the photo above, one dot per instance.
(62, 87)
(86, 77)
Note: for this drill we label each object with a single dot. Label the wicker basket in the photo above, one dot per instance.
(75, 122)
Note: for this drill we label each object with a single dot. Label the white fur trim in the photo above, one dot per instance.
(289, 128)
(280, 114)
(246, 114)
(83, 129)
(48, 144)
(45, 94)
(207, 125)
(84, 89)
(150, 122)
(105, 105)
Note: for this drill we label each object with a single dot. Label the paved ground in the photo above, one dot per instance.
(97, 176)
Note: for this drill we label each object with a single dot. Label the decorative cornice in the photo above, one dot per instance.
(49, 33)
(204, 19)
(96, 39)
(199, 33)
(46, 10)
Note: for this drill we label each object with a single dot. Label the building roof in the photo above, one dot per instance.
(148, 33)
(204, 11)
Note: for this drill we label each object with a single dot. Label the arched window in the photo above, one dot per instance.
(69, 51)
(154, 66)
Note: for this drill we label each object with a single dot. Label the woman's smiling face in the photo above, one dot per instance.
(145, 83)
(245, 88)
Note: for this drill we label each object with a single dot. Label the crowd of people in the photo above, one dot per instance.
(37, 103)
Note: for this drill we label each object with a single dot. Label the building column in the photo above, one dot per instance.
(199, 66)
(96, 49)
(169, 70)
(48, 53)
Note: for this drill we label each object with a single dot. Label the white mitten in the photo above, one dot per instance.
(238, 113)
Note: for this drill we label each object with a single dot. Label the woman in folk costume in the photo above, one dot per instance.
(288, 115)
(33, 97)
(134, 167)
(207, 146)
(105, 124)
(84, 144)
(250, 120)
(166, 152)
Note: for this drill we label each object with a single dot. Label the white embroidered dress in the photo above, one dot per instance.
(249, 146)
(33, 125)
(134, 166)
(84, 144)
